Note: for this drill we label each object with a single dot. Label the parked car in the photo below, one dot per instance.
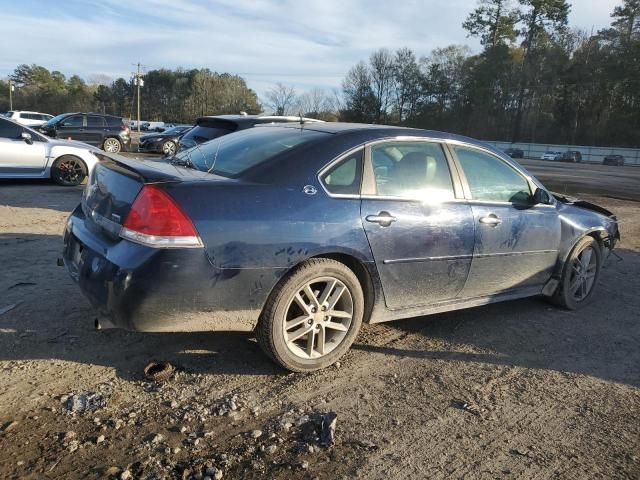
(30, 119)
(549, 155)
(302, 232)
(152, 126)
(572, 156)
(208, 128)
(25, 153)
(165, 142)
(514, 152)
(104, 131)
(616, 160)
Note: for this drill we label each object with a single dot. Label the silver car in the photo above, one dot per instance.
(25, 153)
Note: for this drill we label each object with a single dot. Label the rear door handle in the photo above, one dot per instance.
(492, 220)
(384, 219)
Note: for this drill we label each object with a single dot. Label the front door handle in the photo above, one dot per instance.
(492, 220)
(384, 219)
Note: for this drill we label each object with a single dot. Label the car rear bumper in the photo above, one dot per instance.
(135, 287)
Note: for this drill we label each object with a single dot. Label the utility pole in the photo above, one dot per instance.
(11, 89)
(139, 82)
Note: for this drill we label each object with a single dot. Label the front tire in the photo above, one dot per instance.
(313, 316)
(580, 275)
(68, 171)
(112, 145)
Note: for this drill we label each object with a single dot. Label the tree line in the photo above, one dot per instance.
(535, 80)
(167, 95)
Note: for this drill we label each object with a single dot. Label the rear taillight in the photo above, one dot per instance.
(157, 221)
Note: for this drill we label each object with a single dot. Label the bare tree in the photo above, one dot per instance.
(281, 99)
(382, 81)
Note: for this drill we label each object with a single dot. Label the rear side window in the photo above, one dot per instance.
(490, 178)
(9, 129)
(345, 177)
(114, 121)
(94, 121)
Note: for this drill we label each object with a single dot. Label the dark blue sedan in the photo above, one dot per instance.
(302, 232)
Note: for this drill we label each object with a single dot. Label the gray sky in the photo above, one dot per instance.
(305, 43)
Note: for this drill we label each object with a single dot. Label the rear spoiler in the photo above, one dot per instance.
(147, 170)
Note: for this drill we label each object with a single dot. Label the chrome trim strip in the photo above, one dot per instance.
(426, 259)
(464, 257)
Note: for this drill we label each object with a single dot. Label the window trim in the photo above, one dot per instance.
(369, 189)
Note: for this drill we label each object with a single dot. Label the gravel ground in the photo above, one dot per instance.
(513, 390)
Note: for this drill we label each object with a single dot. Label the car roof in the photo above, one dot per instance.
(379, 131)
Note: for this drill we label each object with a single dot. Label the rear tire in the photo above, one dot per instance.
(112, 145)
(580, 275)
(312, 317)
(68, 171)
(169, 148)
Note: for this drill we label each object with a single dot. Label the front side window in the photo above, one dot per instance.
(411, 169)
(344, 178)
(9, 130)
(73, 121)
(490, 178)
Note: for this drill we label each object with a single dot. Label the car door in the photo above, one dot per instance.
(418, 226)
(72, 128)
(516, 243)
(17, 157)
(95, 131)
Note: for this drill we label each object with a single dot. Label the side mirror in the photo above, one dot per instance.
(540, 196)
(27, 137)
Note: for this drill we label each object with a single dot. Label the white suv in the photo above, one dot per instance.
(30, 119)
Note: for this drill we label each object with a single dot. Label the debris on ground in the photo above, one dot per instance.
(7, 427)
(85, 402)
(159, 371)
(467, 406)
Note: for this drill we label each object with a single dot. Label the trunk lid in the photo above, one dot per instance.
(115, 183)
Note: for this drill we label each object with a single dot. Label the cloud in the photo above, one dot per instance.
(302, 43)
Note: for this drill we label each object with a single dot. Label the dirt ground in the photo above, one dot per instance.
(517, 390)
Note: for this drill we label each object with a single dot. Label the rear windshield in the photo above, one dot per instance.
(205, 132)
(232, 155)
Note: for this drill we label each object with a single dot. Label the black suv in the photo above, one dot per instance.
(105, 131)
(208, 128)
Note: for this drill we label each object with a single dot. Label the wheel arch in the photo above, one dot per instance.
(364, 271)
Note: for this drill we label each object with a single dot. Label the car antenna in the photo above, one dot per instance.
(301, 118)
(243, 113)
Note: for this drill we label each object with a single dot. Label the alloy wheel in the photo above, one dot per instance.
(111, 145)
(169, 148)
(583, 273)
(70, 171)
(318, 318)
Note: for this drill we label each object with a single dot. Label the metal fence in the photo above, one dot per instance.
(589, 154)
